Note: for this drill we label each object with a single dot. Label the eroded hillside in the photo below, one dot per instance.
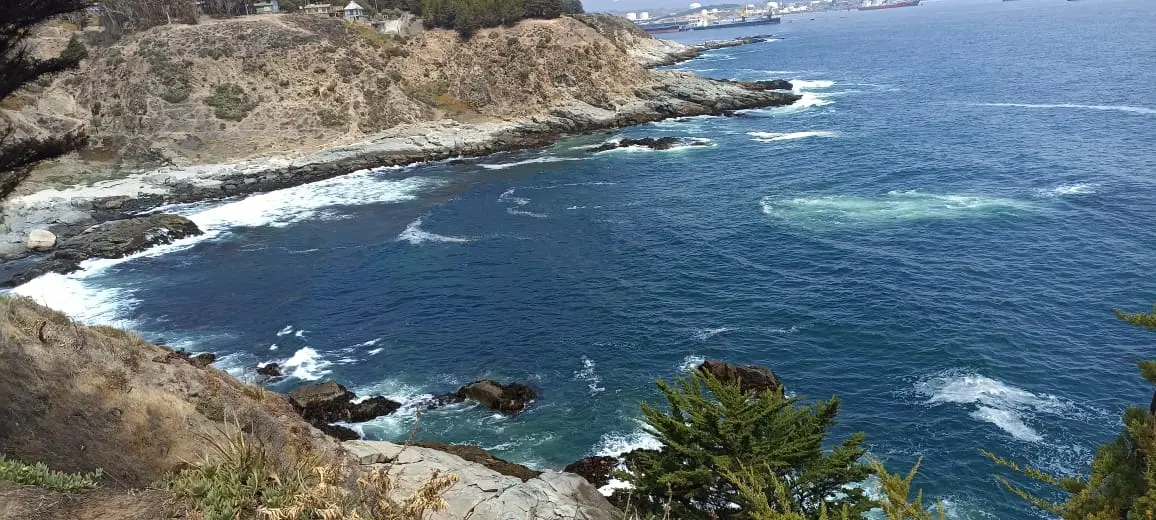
(252, 86)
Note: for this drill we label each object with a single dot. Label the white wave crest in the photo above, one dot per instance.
(306, 364)
(769, 137)
(690, 363)
(1114, 108)
(806, 101)
(415, 235)
(807, 84)
(995, 402)
(78, 300)
(615, 444)
(1069, 189)
(892, 206)
(587, 374)
(517, 202)
(705, 334)
(285, 331)
(536, 160)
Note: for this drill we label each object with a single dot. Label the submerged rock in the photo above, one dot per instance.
(324, 403)
(751, 378)
(660, 143)
(597, 470)
(511, 398)
(270, 370)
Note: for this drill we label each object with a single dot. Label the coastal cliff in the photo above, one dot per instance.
(188, 113)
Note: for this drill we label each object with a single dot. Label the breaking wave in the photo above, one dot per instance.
(804, 84)
(992, 401)
(615, 444)
(768, 137)
(536, 160)
(690, 363)
(518, 202)
(306, 364)
(890, 207)
(1113, 108)
(415, 235)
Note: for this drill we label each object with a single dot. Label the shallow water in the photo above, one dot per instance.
(937, 233)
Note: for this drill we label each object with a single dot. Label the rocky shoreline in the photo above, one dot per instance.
(70, 214)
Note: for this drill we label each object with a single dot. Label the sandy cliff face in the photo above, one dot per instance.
(225, 90)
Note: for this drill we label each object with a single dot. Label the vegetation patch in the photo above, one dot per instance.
(41, 476)
(332, 118)
(230, 102)
(244, 482)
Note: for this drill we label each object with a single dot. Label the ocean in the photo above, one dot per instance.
(937, 233)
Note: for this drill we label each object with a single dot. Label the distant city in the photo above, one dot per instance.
(699, 17)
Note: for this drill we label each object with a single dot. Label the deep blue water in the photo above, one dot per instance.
(942, 250)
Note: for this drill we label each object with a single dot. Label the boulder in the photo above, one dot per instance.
(511, 398)
(321, 404)
(597, 470)
(201, 360)
(477, 455)
(41, 240)
(485, 494)
(751, 378)
(270, 370)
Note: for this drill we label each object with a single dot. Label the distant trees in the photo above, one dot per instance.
(120, 16)
(18, 68)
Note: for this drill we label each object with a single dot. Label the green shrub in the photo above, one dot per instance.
(230, 102)
(718, 440)
(332, 118)
(41, 476)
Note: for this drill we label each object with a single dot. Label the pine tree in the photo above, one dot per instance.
(723, 448)
(18, 68)
(1122, 482)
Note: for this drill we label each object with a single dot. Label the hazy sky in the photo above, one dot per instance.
(638, 5)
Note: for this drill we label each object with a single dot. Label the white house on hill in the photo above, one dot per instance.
(354, 11)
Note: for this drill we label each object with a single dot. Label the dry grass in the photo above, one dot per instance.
(80, 398)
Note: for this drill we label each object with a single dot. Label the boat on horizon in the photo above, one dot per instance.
(888, 5)
(659, 28)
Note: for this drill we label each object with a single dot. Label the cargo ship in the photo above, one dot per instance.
(764, 20)
(659, 28)
(889, 5)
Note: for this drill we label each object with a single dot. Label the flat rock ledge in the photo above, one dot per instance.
(485, 494)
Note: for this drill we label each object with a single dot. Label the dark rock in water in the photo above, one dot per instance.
(372, 408)
(774, 84)
(270, 370)
(480, 456)
(324, 403)
(751, 378)
(439, 401)
(511, 398)
(597, 470)
(200, 360)
(113, 239)
(340, 433)
(660, 143)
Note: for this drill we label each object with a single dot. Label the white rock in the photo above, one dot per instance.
(484, 494)
(41, 240)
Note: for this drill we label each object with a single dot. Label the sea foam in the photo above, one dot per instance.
(769, 137)
(889, 207)
(588, 375)
(536, 160)
(306, 364)
(514, 204)
(1113, 108)
(994, 401)
(415, 235)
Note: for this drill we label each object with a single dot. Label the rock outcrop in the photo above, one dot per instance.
(324, 403)
(478, 455)
(485, 494)
(510, 398)
(659, 143)
(750, 378)
(115, 239)
(269, 370)
(597, 469)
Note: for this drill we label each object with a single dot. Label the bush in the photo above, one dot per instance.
(244, 482)
(725, 450)
(332, 118)
(230, 102)
(41, 476)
